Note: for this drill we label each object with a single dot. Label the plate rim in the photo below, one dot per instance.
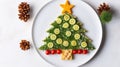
(34, 44)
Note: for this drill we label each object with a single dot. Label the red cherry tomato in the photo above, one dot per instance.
(58, 51)
(53, 51)
(80, 51)
(74, 51)
(47, 52)
(85, 51)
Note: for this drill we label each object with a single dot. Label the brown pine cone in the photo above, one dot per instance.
(24, 45)
(24, 11)
(103, 7)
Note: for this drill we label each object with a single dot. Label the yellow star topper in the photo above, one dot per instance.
(67, 7)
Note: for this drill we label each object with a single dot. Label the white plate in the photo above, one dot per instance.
(49, 13)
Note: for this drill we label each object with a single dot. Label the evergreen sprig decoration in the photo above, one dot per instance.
(104, 13)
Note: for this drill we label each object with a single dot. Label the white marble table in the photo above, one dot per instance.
(12, 30)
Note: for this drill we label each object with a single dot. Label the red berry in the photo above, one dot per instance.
(85, 51)
(47, 52)
(53, 51)
(80, 51)
(74, 51)
(59, 51)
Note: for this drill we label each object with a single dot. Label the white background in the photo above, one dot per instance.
(12, 31)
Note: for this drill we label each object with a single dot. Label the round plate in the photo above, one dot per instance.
(49, 13)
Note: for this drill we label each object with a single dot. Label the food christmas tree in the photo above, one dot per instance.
(67, 36)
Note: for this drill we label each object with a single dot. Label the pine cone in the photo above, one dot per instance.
(103, 7)
(24, 45)
(24, 10)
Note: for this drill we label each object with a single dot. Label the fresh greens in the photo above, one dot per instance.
(67, 33)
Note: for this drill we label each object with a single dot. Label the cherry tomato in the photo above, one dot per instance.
(47, 52)
(74, 51)
(58, 51)
(80, 51)
(53, 51)
(85, 51)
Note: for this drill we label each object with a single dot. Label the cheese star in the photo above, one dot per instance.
(67, 7)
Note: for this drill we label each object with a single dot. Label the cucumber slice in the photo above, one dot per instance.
(68, 33)
(77, 36)
(72, 21)
(57, 31)
(65, 43)
(59, 20)
(65, 25)
(83, 44)
(73, 43)
(50, 45)
(76, 27)
(66, 17)
(53, 36)
(59, 41)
